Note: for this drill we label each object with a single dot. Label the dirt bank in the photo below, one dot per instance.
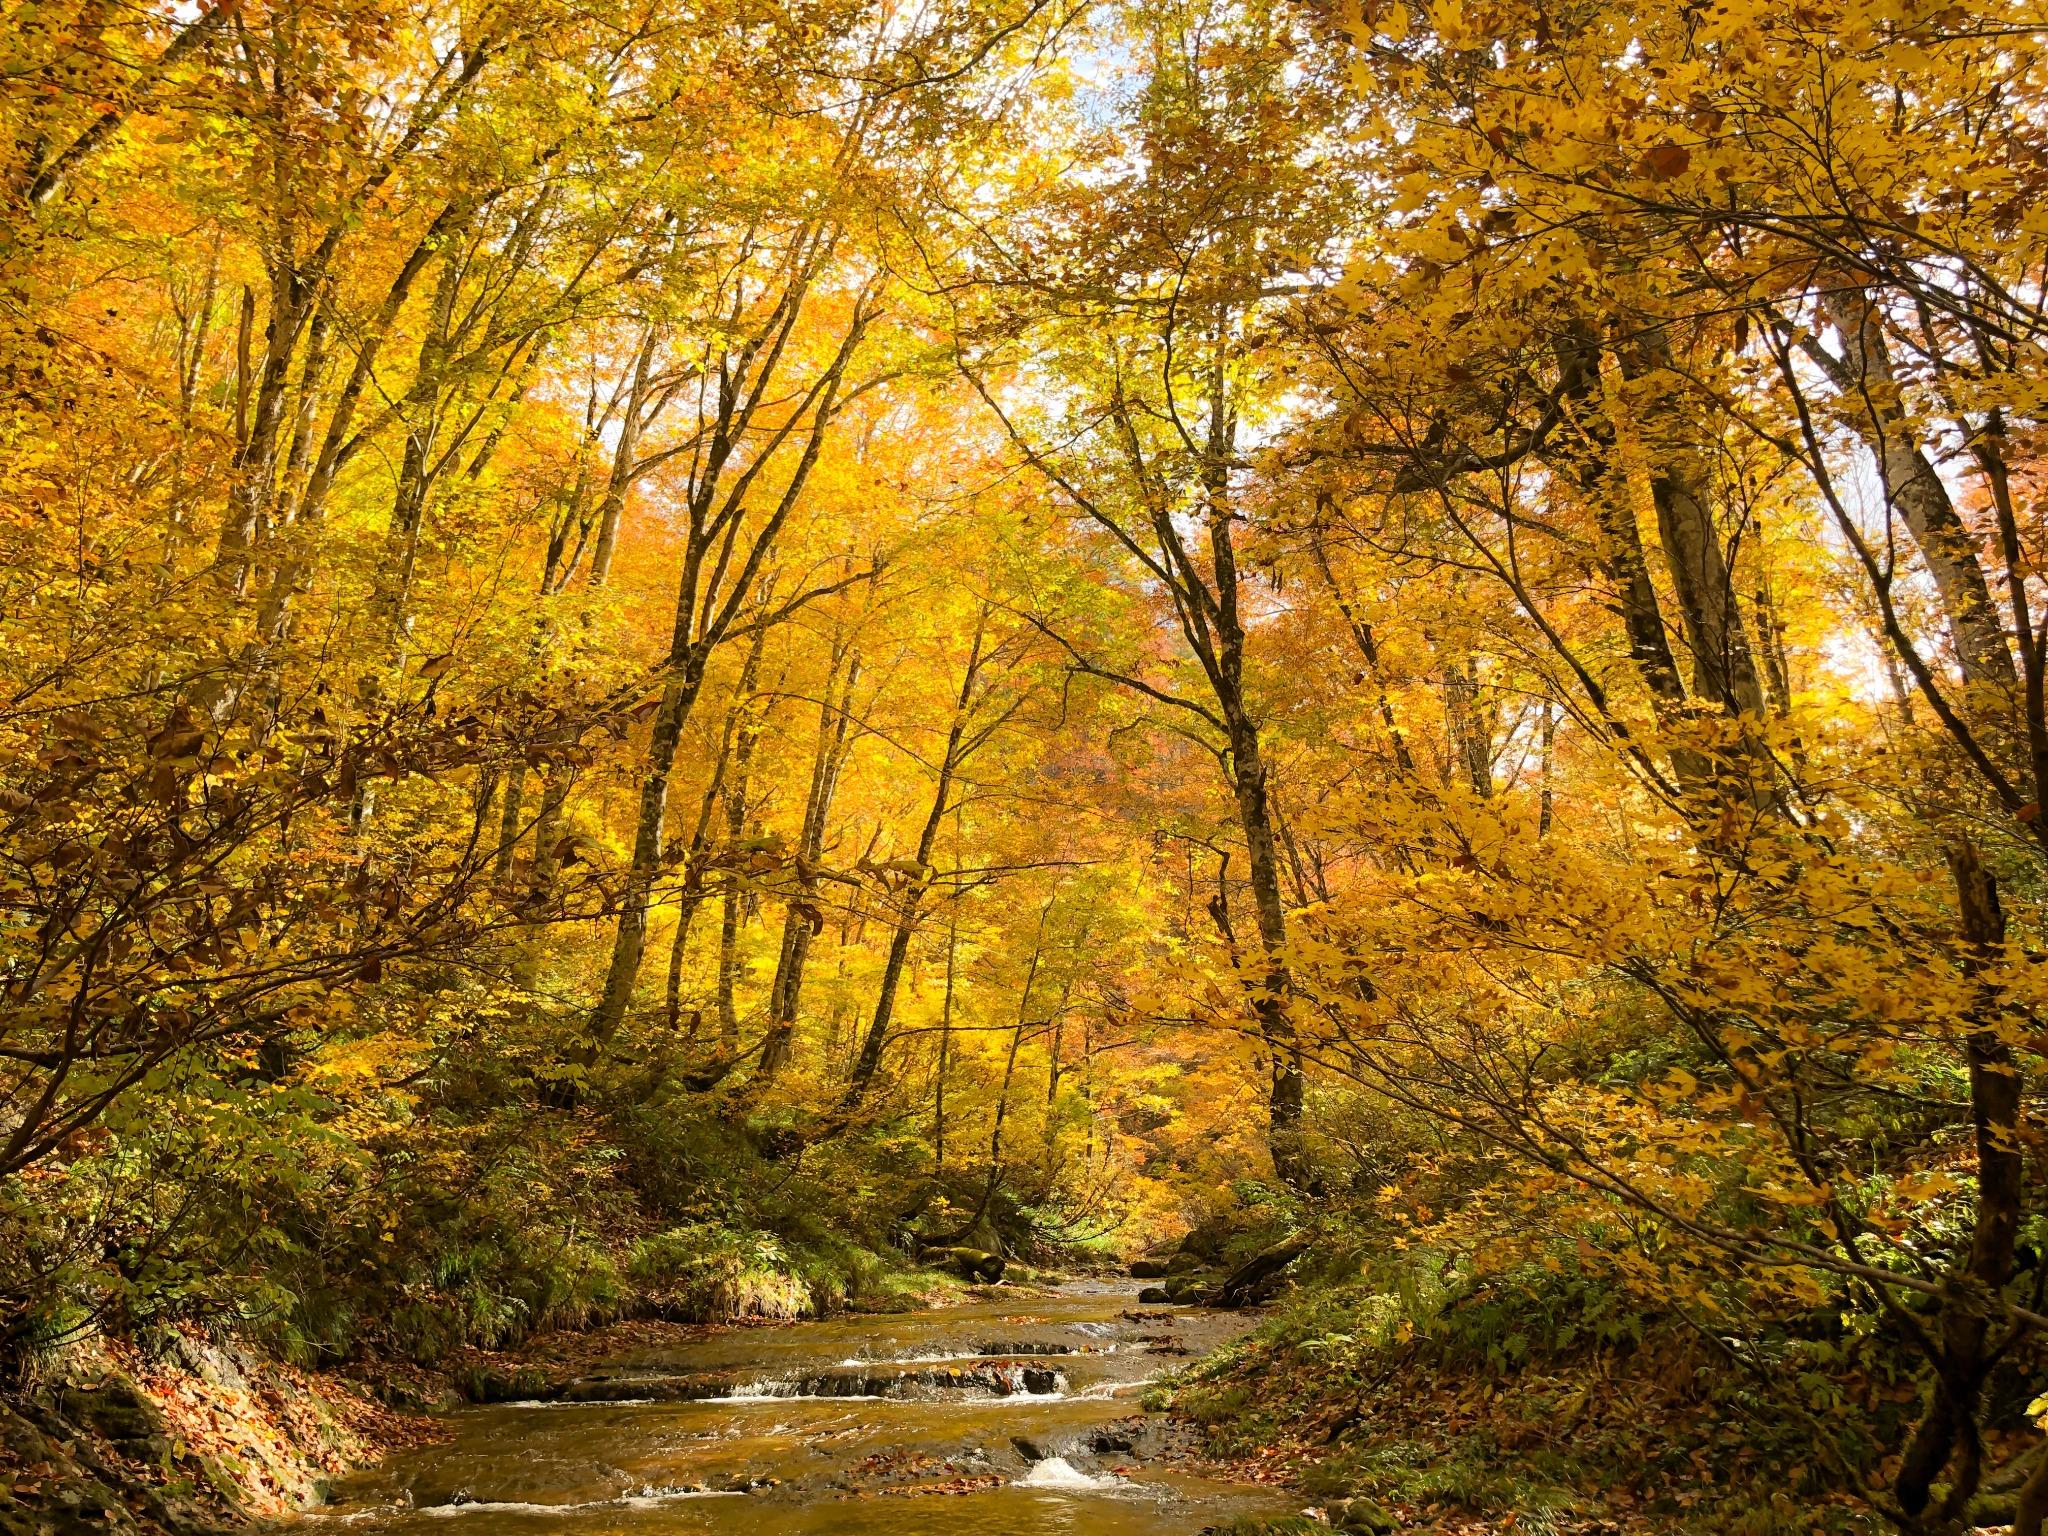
(192, 1435)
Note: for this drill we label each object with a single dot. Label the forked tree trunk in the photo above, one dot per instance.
(1723, 663)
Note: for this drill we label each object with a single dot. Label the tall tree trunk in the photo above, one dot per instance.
(625, 461)
(1223, 655)
(1949, 1431)
(421, 415)
(801, 921)
(913, 895)
(1871, 403)
(678, 952)
(48, 176)
(1271, 990)
(261, 396)
(555, 785)
(509, 826)
(692, 897)
(729, 913)
(945, 1035)
(1724, 665)
(1369, 653)
(706, 606)
(733, 899)
(629, 942)
(1002, 1114)
(1590, 456)
(1471, 740)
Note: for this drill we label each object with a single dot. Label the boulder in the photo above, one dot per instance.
(1150, 1268)
(1207, 1241)
(1154, 1294)
(975, 1264)
(116, 1409)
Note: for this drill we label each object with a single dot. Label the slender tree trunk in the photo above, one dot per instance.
(555, 785)
(422, 417)
(1369, 653)
(1872, 405)
(693, 895)
(1471, 742)
(995, 1135)
(802, 920)
(728, 963)
(705, 608)
(1724, 665)
(945, 1040)
(625, 458)
(678, 951)
(733, 899)
(1590, 455)
(1272, 988)
(509, 826)
(629, 944)
(913, 895)
(50, 176)
(1949, 1431)
(260, 400)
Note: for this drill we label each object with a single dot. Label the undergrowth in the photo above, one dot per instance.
(1554, 1397)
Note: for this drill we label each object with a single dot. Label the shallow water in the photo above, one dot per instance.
(1009, 1416)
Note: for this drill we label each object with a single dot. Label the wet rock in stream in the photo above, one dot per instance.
(1010, 1348)
(997, 1378)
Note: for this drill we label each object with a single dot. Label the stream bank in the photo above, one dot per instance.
(188, 1436)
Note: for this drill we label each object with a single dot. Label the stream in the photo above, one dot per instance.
(1011, 1415)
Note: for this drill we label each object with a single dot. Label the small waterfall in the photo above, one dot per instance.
(997, 1378)
(1058, 1472)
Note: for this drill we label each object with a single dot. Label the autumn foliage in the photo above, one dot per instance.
(639, 641)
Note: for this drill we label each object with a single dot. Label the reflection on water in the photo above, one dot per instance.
(1008, 1417)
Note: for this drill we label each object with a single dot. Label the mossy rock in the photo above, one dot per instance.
(1364, 1517)
(117, 1410)
(486, 1384)
(976, 1264)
